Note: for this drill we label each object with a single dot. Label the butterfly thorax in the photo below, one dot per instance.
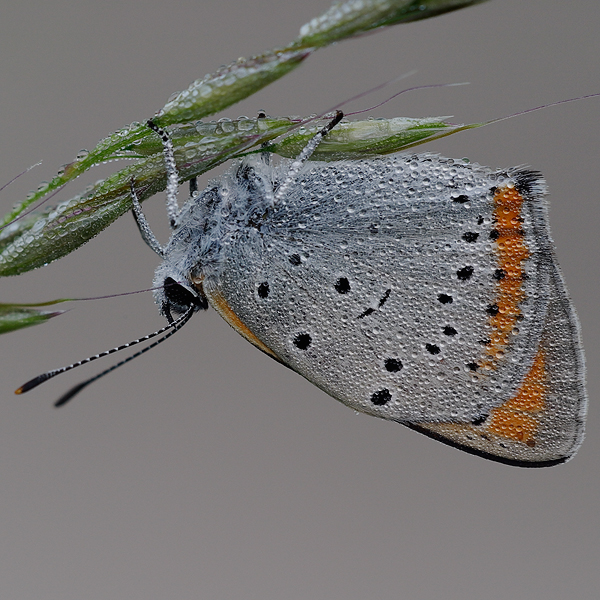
(211, 221)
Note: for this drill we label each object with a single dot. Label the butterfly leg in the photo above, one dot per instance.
(172, 175)
(143, 225)
(305, 155)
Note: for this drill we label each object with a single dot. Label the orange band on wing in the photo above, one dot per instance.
(512, 252)
(514, 421)
(515, 418)
(223, 308)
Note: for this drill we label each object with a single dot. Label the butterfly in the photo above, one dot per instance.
(415, 288)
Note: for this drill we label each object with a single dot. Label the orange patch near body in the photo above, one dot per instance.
(515, 418)
(223, 308)
(512, 252)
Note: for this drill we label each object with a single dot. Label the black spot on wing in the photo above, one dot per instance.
(302, 341)
(393, 365)
(492, 310)
(342, 285)
(461, 199)
(382, 301)
(465, 273)
(470, 236)
(381, 397)
(384, 298)
(263, 289)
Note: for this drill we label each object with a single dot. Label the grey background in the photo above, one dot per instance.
(206, 470)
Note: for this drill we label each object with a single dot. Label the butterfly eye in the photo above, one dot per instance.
(180, 298)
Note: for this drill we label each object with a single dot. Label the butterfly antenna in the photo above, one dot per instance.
(172, 175)
(305, 155)
(175, 326)
(76, 389)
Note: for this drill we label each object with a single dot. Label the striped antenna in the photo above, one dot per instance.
(175, 326)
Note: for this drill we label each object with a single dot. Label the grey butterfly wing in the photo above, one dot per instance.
(383, 283)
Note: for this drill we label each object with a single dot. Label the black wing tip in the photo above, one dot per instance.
(529, 183)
